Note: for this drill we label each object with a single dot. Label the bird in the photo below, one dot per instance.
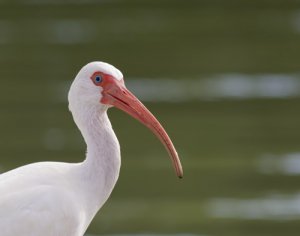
(61, 199)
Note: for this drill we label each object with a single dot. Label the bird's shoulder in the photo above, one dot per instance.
(36, 211)
(36, 172)
(39, 183)
(37, 196)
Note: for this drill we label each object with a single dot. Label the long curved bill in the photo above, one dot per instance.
(118, 95)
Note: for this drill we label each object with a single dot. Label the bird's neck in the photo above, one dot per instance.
(100, 170)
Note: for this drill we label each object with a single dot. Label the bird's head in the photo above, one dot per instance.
(102, 85)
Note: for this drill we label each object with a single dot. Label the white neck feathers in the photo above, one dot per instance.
(100, 170)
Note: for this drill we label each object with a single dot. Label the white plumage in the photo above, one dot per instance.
(61, 199)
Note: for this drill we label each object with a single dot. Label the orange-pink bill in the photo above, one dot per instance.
(115, 93)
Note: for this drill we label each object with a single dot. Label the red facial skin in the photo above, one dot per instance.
(116, 94)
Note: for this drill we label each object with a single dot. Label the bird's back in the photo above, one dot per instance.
(38, 199)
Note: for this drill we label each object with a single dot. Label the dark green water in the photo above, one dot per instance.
(241, 157)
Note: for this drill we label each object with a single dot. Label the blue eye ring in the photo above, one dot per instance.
(98, 79)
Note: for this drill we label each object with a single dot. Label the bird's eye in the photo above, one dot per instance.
(98, 79)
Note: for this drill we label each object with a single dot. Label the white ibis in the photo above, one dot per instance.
(61, 199)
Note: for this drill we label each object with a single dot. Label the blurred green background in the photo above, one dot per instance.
(223, 78)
